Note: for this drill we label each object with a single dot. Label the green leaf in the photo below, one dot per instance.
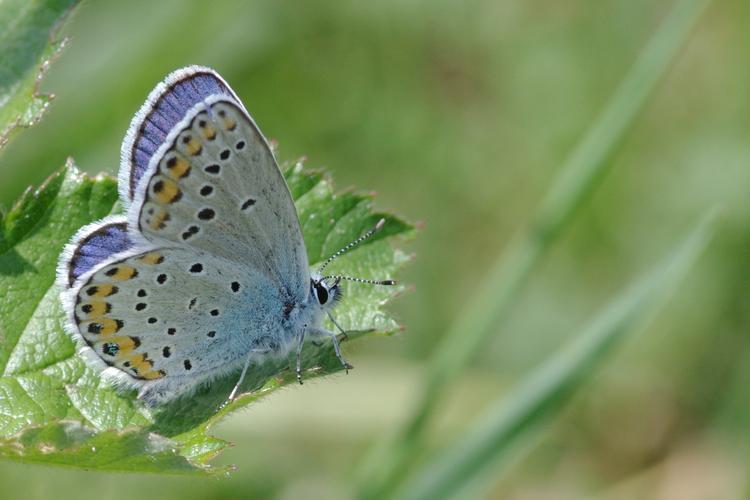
(542, 394)
(55, 409)
(28, 42)
(71, 444)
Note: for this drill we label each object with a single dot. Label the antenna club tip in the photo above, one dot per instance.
(390, 282)
(380, 224)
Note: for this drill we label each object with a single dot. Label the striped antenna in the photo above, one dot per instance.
(338, 278)
(351, 245)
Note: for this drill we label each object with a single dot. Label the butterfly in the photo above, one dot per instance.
(207, 273)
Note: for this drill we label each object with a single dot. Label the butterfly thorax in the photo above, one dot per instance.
(282, 329)
(309, 313)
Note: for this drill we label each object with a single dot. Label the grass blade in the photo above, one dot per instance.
(485, 312)
(543, 393)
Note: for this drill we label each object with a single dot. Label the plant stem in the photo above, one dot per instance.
(486, 312)
(543, 392)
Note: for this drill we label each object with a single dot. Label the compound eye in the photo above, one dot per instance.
(322, 293)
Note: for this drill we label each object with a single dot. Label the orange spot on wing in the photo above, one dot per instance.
(177, 167)
(95, 309)
(158, 220)
(122, 272)
(194, 147)
(101, 326)
(152, 258)
(209, 132)
(100, 290)
(229, 123)
(144, 366)
(125, 346)
(166, 191)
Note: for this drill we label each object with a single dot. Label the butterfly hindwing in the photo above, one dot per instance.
(174, 312)
(91, 245)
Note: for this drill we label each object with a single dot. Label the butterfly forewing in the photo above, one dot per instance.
(165, 107)
(216, 187)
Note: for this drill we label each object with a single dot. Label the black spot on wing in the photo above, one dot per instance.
(247, 204)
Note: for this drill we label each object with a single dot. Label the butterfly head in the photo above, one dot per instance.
(326, 294)
(325, 289)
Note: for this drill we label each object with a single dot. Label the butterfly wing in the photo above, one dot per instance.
(213, 184)
(165, 107)
(175, 313)
(91, 245)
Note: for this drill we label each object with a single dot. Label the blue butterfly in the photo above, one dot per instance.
(207, 273)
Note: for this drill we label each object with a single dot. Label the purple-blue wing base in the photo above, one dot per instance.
(164, 108)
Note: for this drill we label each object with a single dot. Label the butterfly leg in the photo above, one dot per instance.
(300, 343)
(336, 323)
(236, 389)
(233, 394)
(337, 349)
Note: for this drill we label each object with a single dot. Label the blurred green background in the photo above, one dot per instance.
(459, 114)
